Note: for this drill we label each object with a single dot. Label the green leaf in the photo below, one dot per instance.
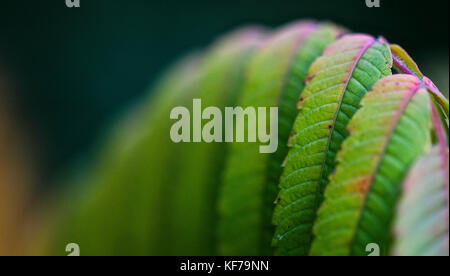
(336, 83)
(274, 77)
(403, 63)
(388, 134)
(422, 224)
(191, 199)
(441, 104)
(118, 197)
(147, 190)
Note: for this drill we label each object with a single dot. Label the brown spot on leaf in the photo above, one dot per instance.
(291, 136)
(309, 78)
(362, 185)
(300, 101)
(278, 200)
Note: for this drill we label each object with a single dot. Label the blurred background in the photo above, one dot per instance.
(73, 70)
(68, 74)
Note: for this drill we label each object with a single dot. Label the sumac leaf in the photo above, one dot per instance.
(388, 134)
(274, 77)
(191, 207)
(422, 224)
(403, 63)
(336, 83)
(421, 227)
(147, 190)
(119, 194)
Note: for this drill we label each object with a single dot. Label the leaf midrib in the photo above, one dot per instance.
(322, 171)
(298, 46)
(398, 116)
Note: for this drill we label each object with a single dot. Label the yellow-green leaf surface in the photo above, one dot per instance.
(403, 63)
(336, 83)
(421, 227)
(388, 134)
(274, 77)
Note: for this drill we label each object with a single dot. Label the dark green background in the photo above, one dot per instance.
(76, 69)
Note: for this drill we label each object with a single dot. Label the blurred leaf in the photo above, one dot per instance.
(421, 227)
(191, 201)
(115, 209)
(150, 196)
